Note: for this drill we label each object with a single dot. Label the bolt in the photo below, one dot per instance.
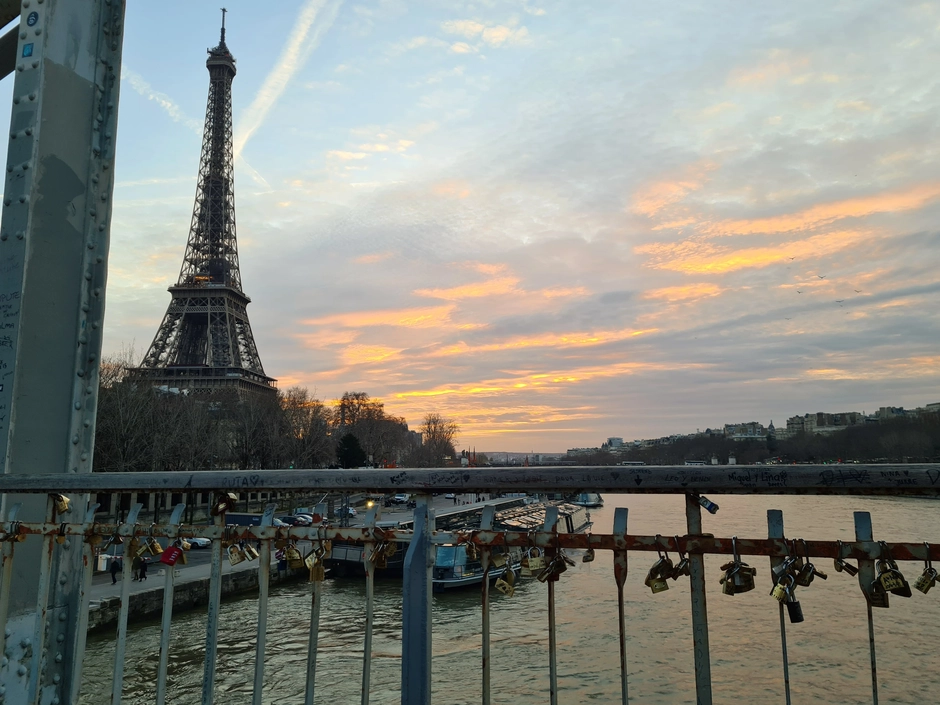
(56, 679)
(20, 67)
(62, 615)
(78, 404)
(25, 643)
(22, 35)
(58, 657)
(63, 579)
(75, 440)
(60, 637)
(21, 670)
(28, 130)
(84, 456)
(20, 235)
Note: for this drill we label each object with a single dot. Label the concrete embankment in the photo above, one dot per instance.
(187, 595)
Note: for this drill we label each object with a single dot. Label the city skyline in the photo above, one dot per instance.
(552, 225)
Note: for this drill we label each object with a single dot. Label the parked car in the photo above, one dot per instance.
(400, 498)
(449, 495)
(200, 543)
(350, 511)
(296, 520)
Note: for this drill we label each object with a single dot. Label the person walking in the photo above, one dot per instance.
(143, 568)
(136, 566)
(115, 567)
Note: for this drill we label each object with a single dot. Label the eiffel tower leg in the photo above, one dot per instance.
(57, 208)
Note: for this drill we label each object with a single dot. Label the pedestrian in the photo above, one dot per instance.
(115, 567)
(135, 565)
(143, 568)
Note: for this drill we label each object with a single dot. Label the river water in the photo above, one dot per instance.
(829, 656)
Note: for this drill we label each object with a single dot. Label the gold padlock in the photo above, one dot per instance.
(60, 537)
(294, 558)
(154, 547)
(318, 572)
(224, 502)
(588, 556)
(61, 503)
(524, 569)
(235, 556)
(391, 548)
(251, 553)
(182, 558)
(505, 588)
(536, 558)
(498, 560)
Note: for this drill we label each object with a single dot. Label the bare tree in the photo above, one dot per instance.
(438, 436)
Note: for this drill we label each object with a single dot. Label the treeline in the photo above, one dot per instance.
(907, 440)
(141, 429)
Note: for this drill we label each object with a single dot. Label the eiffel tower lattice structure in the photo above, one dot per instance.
(205, 342)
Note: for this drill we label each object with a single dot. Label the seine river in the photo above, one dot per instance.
(829, 660)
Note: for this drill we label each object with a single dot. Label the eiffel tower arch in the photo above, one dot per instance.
(205, 341)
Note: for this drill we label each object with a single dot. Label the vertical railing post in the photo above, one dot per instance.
(313, 638)
(81, 631)
(551, 526)
(775, 531)
(486, 524)
(264, 579)
(117, 685)
(368, 565)
(866, 576)
(166, 623)
(703, 669)
(212, 616)
(416, 608)
(620, 577)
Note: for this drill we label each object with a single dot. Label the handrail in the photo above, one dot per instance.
(921, 479)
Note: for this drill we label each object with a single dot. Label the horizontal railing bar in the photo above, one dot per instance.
(923, 479)
(872, 550)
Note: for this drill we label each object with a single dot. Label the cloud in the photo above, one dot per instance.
(314, 20)
(494, 36)
(345, 156)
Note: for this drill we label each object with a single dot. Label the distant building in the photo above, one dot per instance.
(745, 431)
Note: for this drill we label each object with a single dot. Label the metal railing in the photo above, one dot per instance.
(62, 528)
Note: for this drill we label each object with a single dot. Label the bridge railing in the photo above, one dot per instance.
(69, 525)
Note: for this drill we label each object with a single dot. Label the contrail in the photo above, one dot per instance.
(171, 108)
(309, 29)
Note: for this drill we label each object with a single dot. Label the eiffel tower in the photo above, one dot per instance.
(204, 342)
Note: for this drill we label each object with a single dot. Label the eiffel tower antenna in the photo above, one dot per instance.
(205, 341)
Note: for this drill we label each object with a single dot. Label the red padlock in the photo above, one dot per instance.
(171, 554)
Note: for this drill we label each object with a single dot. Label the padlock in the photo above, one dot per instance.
(743, 578)
(781, 591)
(318, 572)
(891, 579)
(536, 559)
(295, 560)
(171, 555)
(794, 610)
(876, 594)
(654, 578)
(235, 556)
(926, 580)
(61, 537)
(251, 553)
(504, 587)
(182, 546)
(498, 560)
(154, 547)
(524, 570)
(842, 566)
(727, 582)
(805, 577)
(61, 503)
(472, 552)
(588, 556)
(683, 567)
(391, 548)
(224, 502)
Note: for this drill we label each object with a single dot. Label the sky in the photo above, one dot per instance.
(555, 222)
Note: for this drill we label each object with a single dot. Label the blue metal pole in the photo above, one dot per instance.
(416, 609)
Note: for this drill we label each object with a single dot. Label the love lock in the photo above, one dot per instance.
(224, 502)
(235, 555)
(295, 560)
(61, 503)
(171, 555)
(505, 582)
(928, 578)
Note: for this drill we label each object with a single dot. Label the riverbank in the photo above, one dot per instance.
(190, 591)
